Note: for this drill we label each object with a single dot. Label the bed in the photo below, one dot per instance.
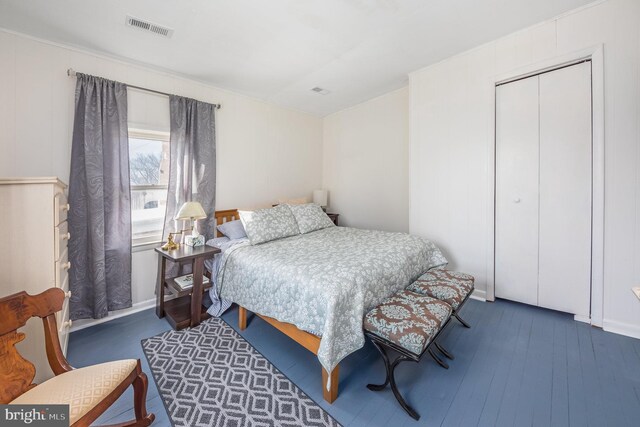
(316, 287)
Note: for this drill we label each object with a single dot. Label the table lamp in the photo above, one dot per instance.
(192, 211)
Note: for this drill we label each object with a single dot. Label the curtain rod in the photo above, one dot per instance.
(72, 73)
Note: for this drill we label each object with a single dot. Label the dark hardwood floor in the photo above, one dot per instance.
(517, 366)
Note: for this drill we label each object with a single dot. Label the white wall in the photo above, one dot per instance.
(365, 163)
(264, 152)
(452, 138)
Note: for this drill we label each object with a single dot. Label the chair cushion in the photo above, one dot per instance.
(82, 389)
(408, 320)
(442, 274)
(453, 292)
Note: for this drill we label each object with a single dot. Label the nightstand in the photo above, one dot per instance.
(334, 217)
(185, 309)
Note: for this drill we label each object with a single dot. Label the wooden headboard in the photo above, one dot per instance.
(225, 216)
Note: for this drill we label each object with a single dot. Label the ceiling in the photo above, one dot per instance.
(278, 50)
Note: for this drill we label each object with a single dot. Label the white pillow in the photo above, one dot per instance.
(265, 225)
(311, 217)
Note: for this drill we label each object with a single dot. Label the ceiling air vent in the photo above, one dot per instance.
(320, 90)
(149, 26)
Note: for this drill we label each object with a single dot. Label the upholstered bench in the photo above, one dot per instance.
(452, 287)
(408, 323)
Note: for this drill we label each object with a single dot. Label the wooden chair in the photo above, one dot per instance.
(88, 391)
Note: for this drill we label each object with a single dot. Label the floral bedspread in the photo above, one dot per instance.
(325, 281)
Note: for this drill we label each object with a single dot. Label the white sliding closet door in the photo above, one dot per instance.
(564, 281)
(543, 190)
(516, 245)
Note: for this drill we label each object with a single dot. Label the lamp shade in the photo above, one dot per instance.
(320, 197)
(191, 210)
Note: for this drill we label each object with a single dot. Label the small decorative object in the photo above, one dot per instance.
(171, 245)
(191, 211)
(194, 241)
(320, 198)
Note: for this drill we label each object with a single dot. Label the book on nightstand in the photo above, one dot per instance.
(186, 281)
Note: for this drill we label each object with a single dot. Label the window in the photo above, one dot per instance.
(149, 174)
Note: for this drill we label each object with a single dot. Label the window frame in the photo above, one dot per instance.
(163, 136)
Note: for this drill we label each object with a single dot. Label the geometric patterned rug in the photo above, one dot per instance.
(211, 376)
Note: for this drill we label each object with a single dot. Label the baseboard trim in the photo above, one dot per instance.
(583, 319)
(78, 325)
(479, 295)
(135, 308)
(626, 329)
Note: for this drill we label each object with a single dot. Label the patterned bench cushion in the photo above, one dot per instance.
(408, 320)
(442, 274)
(449, 286)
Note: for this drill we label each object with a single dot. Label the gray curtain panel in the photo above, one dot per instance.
(192, 170)
(100, 199)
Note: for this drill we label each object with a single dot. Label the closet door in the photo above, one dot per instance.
(516, 224)
(565, 190)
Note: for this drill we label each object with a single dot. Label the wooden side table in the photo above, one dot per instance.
(333, 217)
(185, 309)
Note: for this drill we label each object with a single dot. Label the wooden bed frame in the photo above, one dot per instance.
(309, 341)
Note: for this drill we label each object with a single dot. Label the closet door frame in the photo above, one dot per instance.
(596, 55)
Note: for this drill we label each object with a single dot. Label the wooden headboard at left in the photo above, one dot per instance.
(225, 216)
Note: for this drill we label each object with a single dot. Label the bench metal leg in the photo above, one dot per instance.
(390, 367)
(444, 351)
(387, 366)
(438, 360)
(465, 324)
